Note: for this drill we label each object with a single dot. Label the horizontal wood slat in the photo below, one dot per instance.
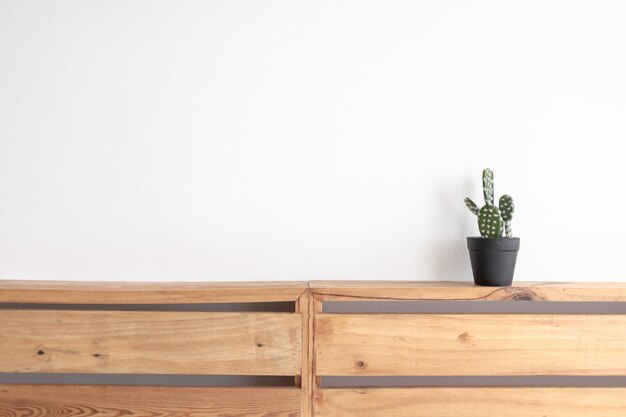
(150, 342)
(471, 402)
(470, 344)
(208, 292)
(64, 292)
(466, 291)
(103, 401)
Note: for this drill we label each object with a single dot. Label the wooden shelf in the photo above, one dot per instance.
(467, 291)
(69, 292)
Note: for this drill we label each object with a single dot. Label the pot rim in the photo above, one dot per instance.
(502, 244)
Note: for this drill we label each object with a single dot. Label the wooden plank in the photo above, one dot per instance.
(470, 344)
(309, 382)
(175, 293)
(471, 402)
(466, 291)
(150, 342)
(315, 310)
(304, 380)
(147, 293)
(115, 401)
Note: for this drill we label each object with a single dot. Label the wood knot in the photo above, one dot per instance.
(466, 338)
(259, 345)
(524, 296)
(360, 364)
(515, 294)
(40, 352)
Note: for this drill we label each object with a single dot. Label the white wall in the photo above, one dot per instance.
(275, 140)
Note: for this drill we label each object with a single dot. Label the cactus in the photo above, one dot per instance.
(488, 186)
(507, 208)
(490, 222)
(493, 222)
(472, 206)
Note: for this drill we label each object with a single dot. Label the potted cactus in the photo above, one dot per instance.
(494, 253)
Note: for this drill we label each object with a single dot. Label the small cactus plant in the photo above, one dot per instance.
(493, 222)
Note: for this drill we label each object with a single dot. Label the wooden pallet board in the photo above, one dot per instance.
(116, 401)
(67, 292)
(471, 402)
(150, 342)
(470, 344)
(465, 291)
(307, 345)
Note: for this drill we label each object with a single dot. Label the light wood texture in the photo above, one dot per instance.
(470, 344)
(304, 381)
(116, 401)
(466, 291)
(471, 402)
(174, 293)
(316, 309)
(150, 342)
(147, 293)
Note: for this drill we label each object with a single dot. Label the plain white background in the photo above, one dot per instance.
(292, 140)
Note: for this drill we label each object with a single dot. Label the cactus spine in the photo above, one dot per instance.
(493, 222)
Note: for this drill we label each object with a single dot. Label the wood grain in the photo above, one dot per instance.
(103, 401)
(304, 381)
(470, 344)
(466, 291)
(65, 292)
(150, 342)
(316, 309)
(210, 292)
(471, 402)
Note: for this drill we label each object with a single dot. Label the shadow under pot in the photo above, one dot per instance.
(493, 260)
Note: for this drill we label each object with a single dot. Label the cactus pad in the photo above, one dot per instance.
(490, 222)
(488, 186)
(507, 208)
(472, 206)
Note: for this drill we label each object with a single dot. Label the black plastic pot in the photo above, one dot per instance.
(493, 260)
